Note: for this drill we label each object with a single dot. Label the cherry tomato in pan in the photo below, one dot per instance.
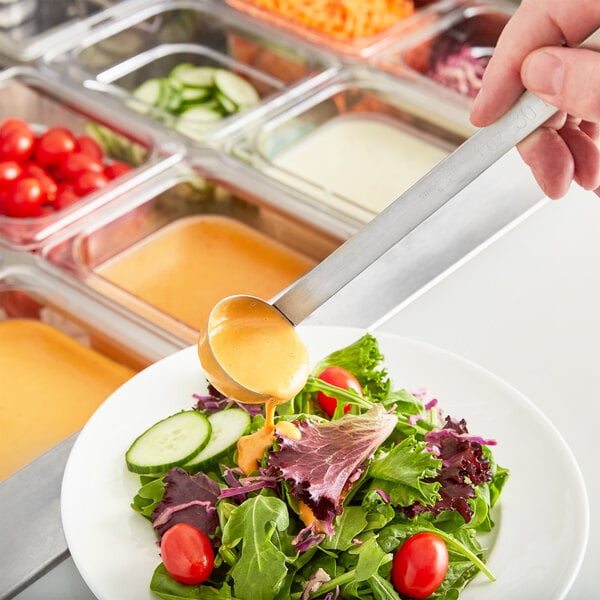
(9, 172)
(89, 181)
(16, 143)
(65, 196)
(187, 554)
(75, 163)
(116, 169)
(13, 123)
(341, 378)
(53, 145)
(48, 184)
(24, 198)
(65, 167)
(420, 565)
(88, 145)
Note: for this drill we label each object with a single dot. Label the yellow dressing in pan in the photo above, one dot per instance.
(49, 387)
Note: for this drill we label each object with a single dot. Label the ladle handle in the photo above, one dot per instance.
(417, 204)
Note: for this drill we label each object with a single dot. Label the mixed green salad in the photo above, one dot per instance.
(375, 493)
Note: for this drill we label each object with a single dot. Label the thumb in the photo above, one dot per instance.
(567, 78)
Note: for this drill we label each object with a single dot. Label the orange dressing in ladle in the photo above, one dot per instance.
(252, 353)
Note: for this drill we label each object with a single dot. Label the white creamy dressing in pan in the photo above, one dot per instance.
(365, 159)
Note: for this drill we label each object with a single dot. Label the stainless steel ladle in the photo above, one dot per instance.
(408, 211)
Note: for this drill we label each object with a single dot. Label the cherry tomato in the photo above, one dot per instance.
(16, 144)
(341, 378)
(49, 186)
(187, 554)
(65, 196)
(24, 199)
(88, 145)
(89, 181)
(116, 169)
(76, 163)
(9, 171)
(53, 145)
(12, 124)
(420, 565)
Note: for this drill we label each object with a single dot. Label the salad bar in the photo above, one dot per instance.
(158, 156)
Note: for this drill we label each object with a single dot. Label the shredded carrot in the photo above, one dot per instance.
(344, 19)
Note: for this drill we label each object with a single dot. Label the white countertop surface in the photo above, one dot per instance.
(527, 308)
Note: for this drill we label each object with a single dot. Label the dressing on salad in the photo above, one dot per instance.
(252, 353)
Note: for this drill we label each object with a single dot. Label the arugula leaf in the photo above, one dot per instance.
(164, 586)
(259, 525)
(346, 527)
(382, 589)
(370, 558)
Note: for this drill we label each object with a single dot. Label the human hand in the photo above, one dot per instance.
(533, 52)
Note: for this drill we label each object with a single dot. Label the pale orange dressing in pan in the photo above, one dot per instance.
(187, 267)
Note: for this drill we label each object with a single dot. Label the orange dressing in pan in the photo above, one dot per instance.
(49, 387)
(187, 267)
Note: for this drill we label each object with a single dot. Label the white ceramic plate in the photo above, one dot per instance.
(542, 517)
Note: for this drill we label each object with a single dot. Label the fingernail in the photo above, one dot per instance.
(543, 73)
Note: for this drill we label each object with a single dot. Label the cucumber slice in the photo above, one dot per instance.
(197, 77)
(169, 443)
(150, 92)
(227, 427)
(200, 114)
(195, 95)
(228, 105)
(236, 88)
(178, 70)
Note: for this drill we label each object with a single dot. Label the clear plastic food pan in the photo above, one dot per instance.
(197, 66)
(63, 351)
(29, 28)
(44, 102)
(449, 56)
(349, 29)
(356, 144)
(188, 238)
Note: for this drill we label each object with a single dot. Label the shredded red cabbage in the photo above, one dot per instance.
(456, 67)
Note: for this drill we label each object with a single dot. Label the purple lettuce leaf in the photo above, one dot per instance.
(464, 466)
(187, 499)
(322, 466)
(214, 401)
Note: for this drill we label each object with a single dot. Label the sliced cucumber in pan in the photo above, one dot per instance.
(196, 96)
(235, 88)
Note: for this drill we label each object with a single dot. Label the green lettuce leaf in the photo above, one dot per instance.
(259, 525)
(400, 473)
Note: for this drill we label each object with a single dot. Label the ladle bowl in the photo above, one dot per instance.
(245, 342)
